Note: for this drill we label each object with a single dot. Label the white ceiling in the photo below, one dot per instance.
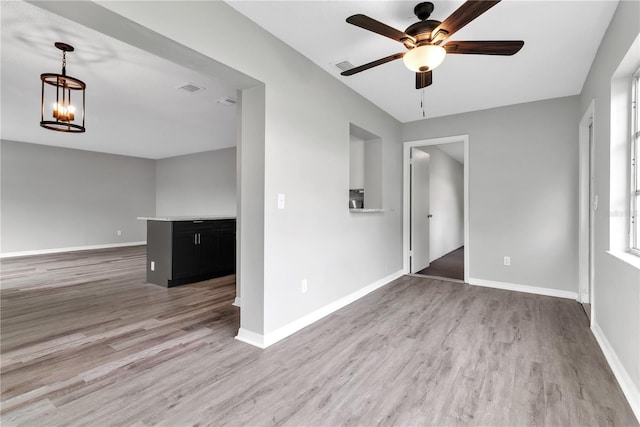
(561, 39)
(133, 106)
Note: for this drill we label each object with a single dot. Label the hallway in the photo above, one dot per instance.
(450, 266)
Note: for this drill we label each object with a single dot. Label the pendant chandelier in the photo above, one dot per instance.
(56, 99)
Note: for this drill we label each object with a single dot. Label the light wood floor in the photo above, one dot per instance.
(86, 342)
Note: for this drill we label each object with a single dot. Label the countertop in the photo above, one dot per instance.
(185, 218)
(365, 210)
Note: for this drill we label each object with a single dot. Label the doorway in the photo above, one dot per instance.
(250, 143)
(425, 249)
(588, 204)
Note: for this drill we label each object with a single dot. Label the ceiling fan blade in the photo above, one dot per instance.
(423, 79)
(505, 47)
(378, 27)
(381, 61)
(466, 13)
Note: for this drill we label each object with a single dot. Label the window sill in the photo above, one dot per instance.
(627, 257)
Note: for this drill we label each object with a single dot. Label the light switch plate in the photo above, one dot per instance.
(280, 200)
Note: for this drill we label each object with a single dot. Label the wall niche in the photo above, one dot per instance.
(365, 170)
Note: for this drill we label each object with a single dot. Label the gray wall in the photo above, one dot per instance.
(201, 183)
(523, 189)
(306, 157)
(617, 284)
(356, 162)
(63, 198)
(250, 267)
(446, 203)
(373, 174)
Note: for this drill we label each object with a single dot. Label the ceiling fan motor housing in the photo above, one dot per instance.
(421, 31)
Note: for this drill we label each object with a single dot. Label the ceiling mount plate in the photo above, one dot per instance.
(423, 10)
(64, 47)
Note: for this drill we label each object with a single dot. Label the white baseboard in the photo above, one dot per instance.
(584, 298)
(256, 340)
(236, 302)
(271, 338)
(629, 389)
(524, 288)
(71, 249)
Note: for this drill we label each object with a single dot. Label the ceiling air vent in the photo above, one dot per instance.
(344, 65)
(227, 101)
(190, 88)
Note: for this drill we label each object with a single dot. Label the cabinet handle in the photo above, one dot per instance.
(198, 238)
(195, 238)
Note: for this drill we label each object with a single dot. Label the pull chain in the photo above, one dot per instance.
(422, 102)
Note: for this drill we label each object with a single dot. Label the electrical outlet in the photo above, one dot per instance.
(119, 232)
(507, 260)
(153, 266)
(303, 287)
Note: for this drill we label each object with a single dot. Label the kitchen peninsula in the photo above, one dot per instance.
(183, 250)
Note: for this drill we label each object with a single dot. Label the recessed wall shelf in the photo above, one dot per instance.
(365, 170)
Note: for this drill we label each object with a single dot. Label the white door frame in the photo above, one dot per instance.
(406, 231)
(585, 243)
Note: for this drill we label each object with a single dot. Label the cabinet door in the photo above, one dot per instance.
(207, 249)
(185, 253)
(227, 247)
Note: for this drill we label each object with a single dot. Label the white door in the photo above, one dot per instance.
(419, 245)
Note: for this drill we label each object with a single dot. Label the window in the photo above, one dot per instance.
(634, 245)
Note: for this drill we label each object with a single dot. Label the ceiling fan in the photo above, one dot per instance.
(426, 40)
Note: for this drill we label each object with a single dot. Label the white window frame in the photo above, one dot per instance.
(634, 215)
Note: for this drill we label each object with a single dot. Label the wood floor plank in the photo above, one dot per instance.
(85, 341)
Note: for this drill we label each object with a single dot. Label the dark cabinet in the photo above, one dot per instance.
(185, 261)
(199, 250)
(226, 238)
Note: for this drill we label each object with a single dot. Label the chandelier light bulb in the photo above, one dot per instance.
(63, 113)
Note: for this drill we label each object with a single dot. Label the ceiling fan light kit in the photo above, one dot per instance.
(426, 40)
(424, 58)
(56, 101)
